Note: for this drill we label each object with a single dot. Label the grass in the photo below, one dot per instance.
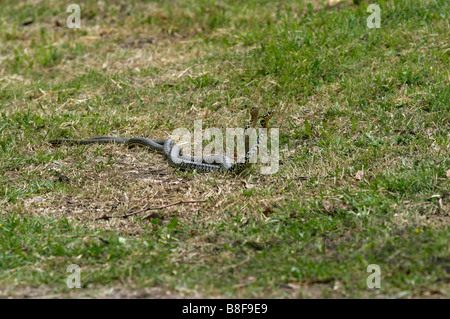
(364, 123)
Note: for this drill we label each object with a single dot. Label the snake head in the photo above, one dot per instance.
(265, 119)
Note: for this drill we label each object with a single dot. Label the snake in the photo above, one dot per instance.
(184, 161)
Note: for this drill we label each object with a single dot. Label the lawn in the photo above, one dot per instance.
(364, 142)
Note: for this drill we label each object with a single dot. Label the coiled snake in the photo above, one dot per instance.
(184, 161)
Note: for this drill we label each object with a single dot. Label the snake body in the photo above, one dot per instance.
(173, 152)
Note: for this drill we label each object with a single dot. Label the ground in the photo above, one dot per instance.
(364, 175)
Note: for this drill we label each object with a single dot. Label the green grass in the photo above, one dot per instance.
(349, 100)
